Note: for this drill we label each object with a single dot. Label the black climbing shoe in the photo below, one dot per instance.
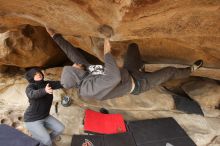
(196, 65)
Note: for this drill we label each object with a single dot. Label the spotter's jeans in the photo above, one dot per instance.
(39, 129)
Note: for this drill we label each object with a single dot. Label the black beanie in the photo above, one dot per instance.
(30, 74)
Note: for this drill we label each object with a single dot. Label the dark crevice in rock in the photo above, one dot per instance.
(20, 118)
(15, 124)
(27, 31)
(5, 121)
(11, 70)
(212, 140)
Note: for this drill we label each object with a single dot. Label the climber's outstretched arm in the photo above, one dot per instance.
(71, 51)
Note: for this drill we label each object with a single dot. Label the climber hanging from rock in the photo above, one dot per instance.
(110, 81)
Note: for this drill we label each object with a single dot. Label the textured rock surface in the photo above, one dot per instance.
(29, 46)
(168, 32)
(205, 92)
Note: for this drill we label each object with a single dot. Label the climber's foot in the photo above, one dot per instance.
(196, 65)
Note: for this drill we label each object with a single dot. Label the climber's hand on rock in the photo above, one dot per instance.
(106, 31)
(107, 46)
(50, 31)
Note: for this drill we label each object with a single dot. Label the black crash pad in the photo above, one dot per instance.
(159, 132)
(122, 139)
(187, 105)
(10, 136)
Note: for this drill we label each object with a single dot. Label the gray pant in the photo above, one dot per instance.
(147, 80)
(153, 79)
(39, 129)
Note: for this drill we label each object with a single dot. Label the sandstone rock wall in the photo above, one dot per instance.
(167, 31)
(29, 46)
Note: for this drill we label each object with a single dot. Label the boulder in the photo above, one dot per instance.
(205, 92)
(29, 46)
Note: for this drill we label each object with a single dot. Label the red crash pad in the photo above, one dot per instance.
(96, 122)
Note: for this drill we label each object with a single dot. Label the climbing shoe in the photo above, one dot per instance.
(196, 65)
